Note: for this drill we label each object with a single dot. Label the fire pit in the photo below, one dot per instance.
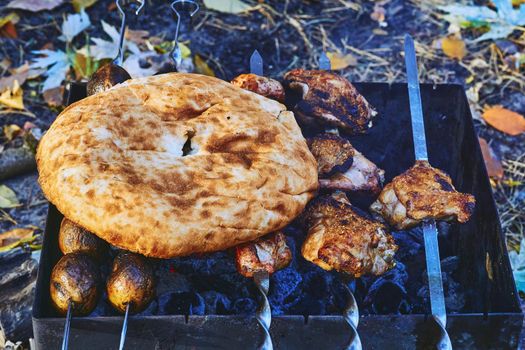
(203, 303)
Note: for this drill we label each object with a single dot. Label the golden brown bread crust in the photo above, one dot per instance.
(264, 86)
(343, 238)
(113, 163)
(328, 99)
(421, 193)
(269, 253)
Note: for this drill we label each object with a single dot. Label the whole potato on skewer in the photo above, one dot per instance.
(73, 238)
(76, 279)
(132, 281)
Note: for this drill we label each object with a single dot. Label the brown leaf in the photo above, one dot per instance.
(35, 5)
(9, 31)
(379, 13)
(20, 75)
(340, 61)
(493, 164)
(15, 235)
(504, 120)
(454, 47)
(54, 97)
(137, 36)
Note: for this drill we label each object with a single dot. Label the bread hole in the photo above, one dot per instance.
(186, 148)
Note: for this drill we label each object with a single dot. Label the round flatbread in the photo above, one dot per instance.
(176, 164)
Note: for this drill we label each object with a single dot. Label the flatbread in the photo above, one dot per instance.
(113, 163)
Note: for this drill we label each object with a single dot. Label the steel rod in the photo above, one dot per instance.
(65, 339)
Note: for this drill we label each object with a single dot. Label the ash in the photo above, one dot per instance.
(210, 284)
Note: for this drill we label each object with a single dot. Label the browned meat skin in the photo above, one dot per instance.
(341, 167)
(269, 253)
(342, 238)
(421, 193)
(263, 86)
(328, 99)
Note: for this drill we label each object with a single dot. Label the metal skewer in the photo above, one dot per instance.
(120, 56)
(176, 54)
(262, 279)
(351, 310)
(124, 329)
(65, 339)
(430, 234)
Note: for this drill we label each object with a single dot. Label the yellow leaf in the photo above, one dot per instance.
(454, 47)
(512, 183)
(504, 120)
(340, 61)
(202, 67)
(11, 131)
(82, 4)
(470, 79)
(15, 236)
(13, 97)
(184, 50)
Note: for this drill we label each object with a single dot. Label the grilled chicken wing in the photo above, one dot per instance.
(264, 86)
(342, 167)
(343, 238)
(328, 99)
(422, 193)
(269, 253)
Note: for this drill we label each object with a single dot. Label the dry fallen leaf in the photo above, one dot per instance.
(137, 36)
(8, 197)
(11, 131)
(20, 75)
(504, 120)
(227, 6)
(454, 47)
(13, 97)
(14, 236)
(54, 97)
(202, 67)
(35, 5)
(379, 13)
(340, 61)
(78, 5)
(493, 164)
(7, 26)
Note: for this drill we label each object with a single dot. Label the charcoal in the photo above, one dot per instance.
(216, 303)
(244, 306)
(181, 303)
(285, 288)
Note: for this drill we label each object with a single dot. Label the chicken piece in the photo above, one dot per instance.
(263, 86)
(342, 167)
(343, 238)
(328, 99)
(269, 253)
(421, 193)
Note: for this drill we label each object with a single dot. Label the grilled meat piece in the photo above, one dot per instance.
(269, 253)
(343, 238)
(263, 86)
(328, 99)
(132, 281)
(75, 278)
(342, 167)
(421, 193)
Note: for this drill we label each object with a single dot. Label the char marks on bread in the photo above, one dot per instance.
(176, 164)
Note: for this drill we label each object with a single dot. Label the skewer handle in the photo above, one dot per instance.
(124, 329)
(351, 316)
(264, 313)
(176, 54)
(65, 339)
(444, 342)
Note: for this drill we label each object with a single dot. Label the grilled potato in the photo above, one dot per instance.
(106, 77)
(132, 281)
(76, 279)
(73, 238)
